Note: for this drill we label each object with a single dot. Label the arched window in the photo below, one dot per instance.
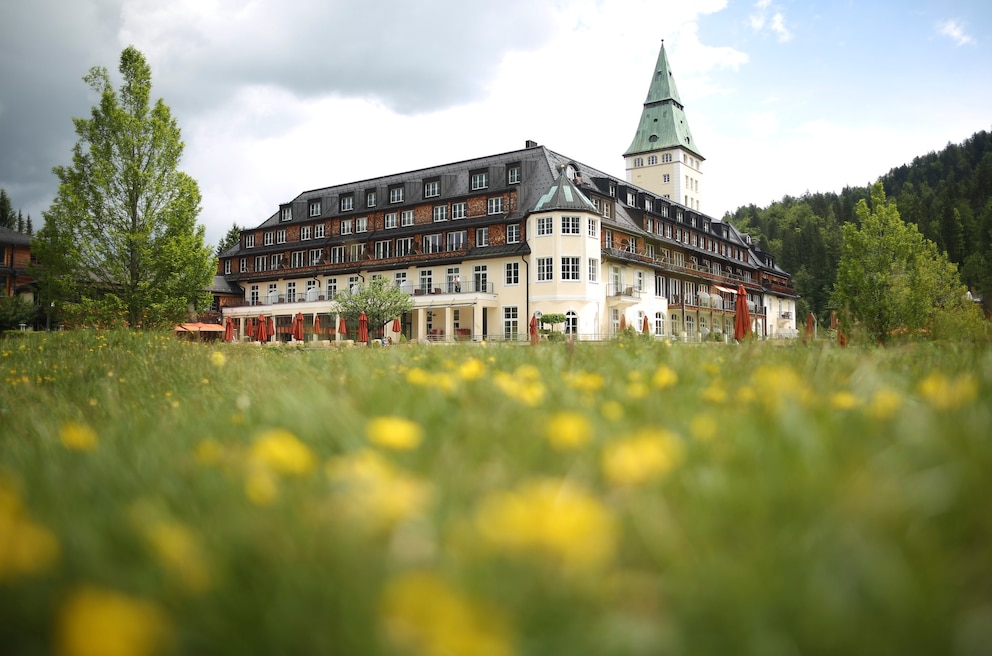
(652, 160)
(571, 323)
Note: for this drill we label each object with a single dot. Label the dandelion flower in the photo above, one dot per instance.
(424, 615)
(703, 428)
(99, 622)
(77, 437)
(568, 430)
(395, 433)
(945, 394)
(217, 359)
(282, 452)
(664, 377)
(884, 404)
(646, 455)
(551, 519)
(612, 411)
(844, 401)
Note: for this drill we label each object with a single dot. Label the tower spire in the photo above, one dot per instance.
(663, 156)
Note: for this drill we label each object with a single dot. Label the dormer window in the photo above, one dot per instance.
(370, 198)
(432, 189)
(347, 203)
(287, 214)
(249, 241)
(396, 194)
(315, 208)
(480, 180)
(513, 174)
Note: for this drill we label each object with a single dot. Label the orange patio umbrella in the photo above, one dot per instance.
(228, 330)
(316, 323)
(342, 327)
(742, 320)
(363, 328)
(249, 328)
(645, 327)
(298, 327)
(396, 325)
(623, 322)
(533, 329)
(262, 330)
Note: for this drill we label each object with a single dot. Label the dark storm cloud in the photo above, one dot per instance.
(412, 57)
(46, 46)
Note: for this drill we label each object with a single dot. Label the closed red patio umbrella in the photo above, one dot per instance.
(742, 319)
(396, 325)
(363, 328)
(645, 327)
(298, 327)
(272, 326)
(249, 328)
(533, 330)
(316, 323)
(262, 331)
(342, 327)
(623, 322)
(228, 330)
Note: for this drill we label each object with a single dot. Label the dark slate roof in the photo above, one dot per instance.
(221, 285)
(663, 123)
(8, 236)
(563, 195)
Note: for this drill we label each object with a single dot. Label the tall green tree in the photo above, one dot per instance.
(7, 216)
(232, 237)
(123, 225)
(380, 300)
(890, 276)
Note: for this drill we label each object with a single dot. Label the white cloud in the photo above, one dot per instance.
(954, 31)
(763, 17)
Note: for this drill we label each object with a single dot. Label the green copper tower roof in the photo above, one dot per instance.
(563, 195)
(663, 124)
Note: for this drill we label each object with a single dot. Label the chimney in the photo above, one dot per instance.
(530, 144)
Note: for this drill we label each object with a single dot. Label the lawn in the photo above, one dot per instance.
(160, 497)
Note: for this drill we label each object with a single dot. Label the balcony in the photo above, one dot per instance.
(619, 294)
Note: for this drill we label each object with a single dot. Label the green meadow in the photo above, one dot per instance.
(166, 497)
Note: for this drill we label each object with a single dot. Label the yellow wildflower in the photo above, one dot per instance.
(471, 369)
(612, 411)
(261, 487)
(180, 553)
(217, 358)
(637, 390)
(26, 547)
(844, 401)
(945, 394)
(884, 403)
(98, 622)
(647, 454)
(664, 377)
(394, 433)
(585, 381)
(521, 386)
(549, 518)
(77, 437)
(375, 492)
(568, 430)
(282, 452)
(715, 393)
(424, 615)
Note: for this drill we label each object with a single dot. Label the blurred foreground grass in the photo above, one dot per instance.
(168, 497)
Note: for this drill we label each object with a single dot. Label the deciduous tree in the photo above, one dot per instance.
(124, 219)
(889, 276)
(379, 300)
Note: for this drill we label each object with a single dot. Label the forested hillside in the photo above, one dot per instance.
(948, 195)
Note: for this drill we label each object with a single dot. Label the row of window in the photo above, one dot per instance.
(666, 158)
(570, 269)
(570, 225)
(453, 240)
(441, 213)
(478, 180)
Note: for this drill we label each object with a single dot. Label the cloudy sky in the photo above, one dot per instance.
(278, 97)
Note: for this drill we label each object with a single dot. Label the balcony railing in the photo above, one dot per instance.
(614, 290)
